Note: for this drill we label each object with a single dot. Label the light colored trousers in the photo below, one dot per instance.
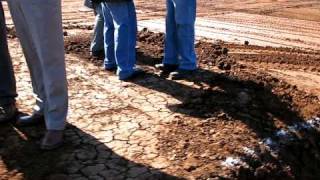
(39, 27)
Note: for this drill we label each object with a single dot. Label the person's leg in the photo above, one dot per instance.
(43, 21)
(132, 34)
(97, 44)
(30, 54)
(109, 60)
(7, 80)
(170, 51)
(124, 37)
(185, 16)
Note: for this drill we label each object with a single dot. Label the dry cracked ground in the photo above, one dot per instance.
(251, 112)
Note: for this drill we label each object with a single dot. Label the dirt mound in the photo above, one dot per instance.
(153, 44)
(151, 38)
(214, 55)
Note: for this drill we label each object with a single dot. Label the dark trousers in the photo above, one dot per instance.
(7, 80)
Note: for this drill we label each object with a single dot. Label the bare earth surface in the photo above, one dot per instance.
(251, 112)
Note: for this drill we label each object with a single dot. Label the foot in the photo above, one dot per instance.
(181, 74)
(8, 113)
(31, 120)
(136, 73)
(53, 139)
(166, 69)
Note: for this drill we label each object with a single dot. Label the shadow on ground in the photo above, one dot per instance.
(83, 156)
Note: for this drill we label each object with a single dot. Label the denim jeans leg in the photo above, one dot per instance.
(108, 31)
(97, 43)
(133, 33)
(185, 16)
(124, 37)
(170, 50)
(187, 60)
(7, 80)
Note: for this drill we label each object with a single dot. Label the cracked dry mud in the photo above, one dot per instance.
(154, 128)
(237, 119)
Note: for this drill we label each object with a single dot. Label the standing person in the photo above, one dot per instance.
(8, 93)
(180, 58)
(39, 28)
(120, 29)
(97, 43)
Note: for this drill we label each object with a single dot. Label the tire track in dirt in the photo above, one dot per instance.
(308, 82)
(296, 67)
(221, 22)
(240, 27)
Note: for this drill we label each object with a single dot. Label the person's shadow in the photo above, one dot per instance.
(82, 157)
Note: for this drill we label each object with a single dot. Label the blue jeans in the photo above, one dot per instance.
(180, 34)
(97, 40)
(120, 29)
(7, 80)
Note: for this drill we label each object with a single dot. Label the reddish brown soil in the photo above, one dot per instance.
(229, 105)
(291, 58)
(241, 96)
(242, 104)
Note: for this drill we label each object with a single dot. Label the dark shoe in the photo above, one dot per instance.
(181, 74)
(8, 113)
(97, 54)
(168, 68)
(137, 73)
(53, 139)
(31, 120)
